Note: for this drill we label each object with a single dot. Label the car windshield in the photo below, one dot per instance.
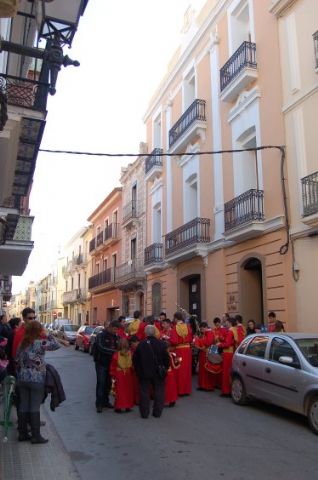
(309, 348)
(89, 330)
(70, 328)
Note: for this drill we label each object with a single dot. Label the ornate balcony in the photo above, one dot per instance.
(99, 239)
(244, 215)
(16, 244)
(92, 245)
(191, 124)
(187, 241)
(310, 199)
(70, 297)
(129, 213)
(238, 72)
(23, 92)
(153, 164)
(130, 273)
(101, 281)
(111, 233)
(154, 257)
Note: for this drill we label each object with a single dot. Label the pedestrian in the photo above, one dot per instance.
(121, 330)
(104, 348)
(202, 342)
(251, 327)
(122, 376)
(171, 388)
(271, 324)
(14, 324)
(136, 389)
(149, 358)
(228, 347)
(5, 329)
(136, 327)
(4, 362)
(28, 314)
(31, 373)
(241, 330)
(279, 326)
(181, 339)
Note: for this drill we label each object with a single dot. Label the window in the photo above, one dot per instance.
(189, 89)
(243, 345)
(78, 280)
(105, 264)
(134, 198)
(133, 248)
(240, 28)
(156, 222)
(156, 299)
(257, 347)
(191, 198)
(309, 348)
(281, 348)
(157, 132)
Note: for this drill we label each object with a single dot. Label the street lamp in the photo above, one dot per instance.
(58, 18)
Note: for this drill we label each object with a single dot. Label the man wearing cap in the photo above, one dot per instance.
(149, 354)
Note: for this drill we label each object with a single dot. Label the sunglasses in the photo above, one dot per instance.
(31, 318)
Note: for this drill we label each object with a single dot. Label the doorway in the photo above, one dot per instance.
(251, 291)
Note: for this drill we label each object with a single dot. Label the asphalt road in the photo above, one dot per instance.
(203, 437)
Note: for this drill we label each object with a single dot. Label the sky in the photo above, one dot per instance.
(123, 47)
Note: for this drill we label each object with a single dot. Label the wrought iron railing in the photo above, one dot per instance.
(153, 160)
(193, 232)
(310, 194)
(245, 56)
(99, 239)
(153, 253)
(92, 245)
(111, 232)
(131, 269)
(101, 278)
(24, 92)
(130, 210)
(245, 208)
(315, 37)
(196, 111)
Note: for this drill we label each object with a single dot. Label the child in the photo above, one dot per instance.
(121, 372)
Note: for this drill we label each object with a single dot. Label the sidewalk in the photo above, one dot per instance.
(24, 461)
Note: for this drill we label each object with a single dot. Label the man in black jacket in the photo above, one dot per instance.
(150, 354)
(104, 347)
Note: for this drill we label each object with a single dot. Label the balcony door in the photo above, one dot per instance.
(191, 198)
(245, 171)
(156, 223)
(189, 89)
(240, 25)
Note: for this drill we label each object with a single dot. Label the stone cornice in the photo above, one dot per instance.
(279, 7)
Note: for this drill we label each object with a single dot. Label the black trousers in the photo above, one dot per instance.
(103, 384)
(158, 385)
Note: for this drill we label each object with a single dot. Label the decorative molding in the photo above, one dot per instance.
(295, 103)
(279, 7)
(243, 101)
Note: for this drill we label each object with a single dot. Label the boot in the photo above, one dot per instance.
(35, 428)
(23, 427)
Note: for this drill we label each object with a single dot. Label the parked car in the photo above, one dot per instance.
(93, 338)
(281, 369)
(67, 332)
(83, 336)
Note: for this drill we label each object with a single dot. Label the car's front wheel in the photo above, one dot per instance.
(238, 391)
(312, 414)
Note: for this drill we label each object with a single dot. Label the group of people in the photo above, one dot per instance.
(22, 352)
(152, 358)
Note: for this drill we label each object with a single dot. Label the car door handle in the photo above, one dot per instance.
(268, 370)
(244, 364)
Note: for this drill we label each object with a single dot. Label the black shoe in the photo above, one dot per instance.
(99, 409)
(118, 410)
(23, 419)
(128, 410)
(35, 429)
(171, 404)
(156, 415)
(108, 405)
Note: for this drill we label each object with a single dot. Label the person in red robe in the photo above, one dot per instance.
(206, 379)
(219, 334)
(171, 388)
(241, 330)
(181, 339)
(122, 376)
(165, 330)
(136, 327)
(228, 346)
(121, 330)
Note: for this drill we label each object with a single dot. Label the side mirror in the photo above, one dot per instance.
(287, 360)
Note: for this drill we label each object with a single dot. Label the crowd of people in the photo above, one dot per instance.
(137, 362)
(153, 359)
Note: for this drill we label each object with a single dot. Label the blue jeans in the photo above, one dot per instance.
(103, 384)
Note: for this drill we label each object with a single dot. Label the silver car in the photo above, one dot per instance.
(279, 368)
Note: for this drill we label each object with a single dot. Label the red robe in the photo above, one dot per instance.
(171, 389)
(124, 393)
(241, 333)
(182, 346)
(228, 351)
(17, 339)
(206, 379)
(121, 333)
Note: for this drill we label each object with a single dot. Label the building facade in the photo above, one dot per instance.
(298, 37)
(105, 251)
(76, 272)
(217, 237)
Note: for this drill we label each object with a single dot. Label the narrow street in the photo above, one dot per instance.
(202, 437)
